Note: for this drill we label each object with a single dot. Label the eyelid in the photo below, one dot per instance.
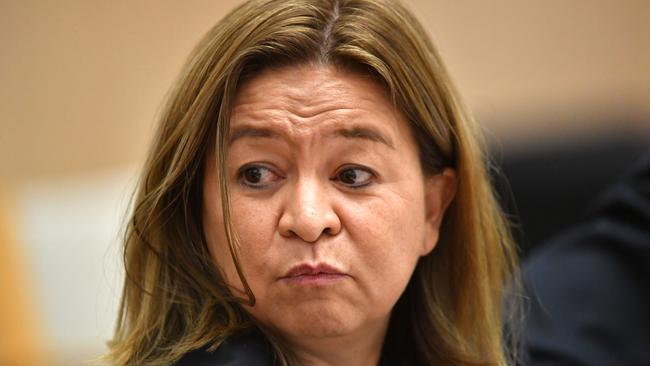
(259, 165)
(370, 180)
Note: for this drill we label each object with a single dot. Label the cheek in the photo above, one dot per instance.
(389, 233)
(213, 226)
(254, 225)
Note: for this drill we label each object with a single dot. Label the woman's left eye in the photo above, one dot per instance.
(354, 177)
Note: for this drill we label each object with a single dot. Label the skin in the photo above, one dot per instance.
(307, 189)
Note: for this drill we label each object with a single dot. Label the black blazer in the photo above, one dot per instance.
(244, 350)
(590, 287)
(253, 349)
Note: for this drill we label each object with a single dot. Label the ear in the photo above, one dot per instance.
(440, 190)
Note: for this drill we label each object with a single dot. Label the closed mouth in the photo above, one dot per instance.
(313, 270)
(314, 274)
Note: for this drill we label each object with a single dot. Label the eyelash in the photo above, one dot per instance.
(337, 177)
(242, 171)
(355, 167)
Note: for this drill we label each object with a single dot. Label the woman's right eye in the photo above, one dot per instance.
(256, 176)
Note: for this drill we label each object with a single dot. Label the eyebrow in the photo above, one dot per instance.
(248, 131)
(365, 133)
(357, 132)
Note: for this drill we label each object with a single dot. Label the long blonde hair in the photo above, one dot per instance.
(174, 299)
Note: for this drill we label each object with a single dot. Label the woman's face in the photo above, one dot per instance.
(328, 200)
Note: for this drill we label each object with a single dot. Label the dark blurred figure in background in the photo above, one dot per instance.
(588, 288)
(549, 187)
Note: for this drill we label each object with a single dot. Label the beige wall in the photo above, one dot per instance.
(552, 62)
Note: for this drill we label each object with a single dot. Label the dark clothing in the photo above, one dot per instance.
(589, 289)
(245, 350)
(251, 350)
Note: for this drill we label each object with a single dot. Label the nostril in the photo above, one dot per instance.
(308, 221)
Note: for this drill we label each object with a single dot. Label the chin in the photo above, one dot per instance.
(319, 320)
(324, 326)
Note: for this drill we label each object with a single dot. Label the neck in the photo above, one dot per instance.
(361, 348)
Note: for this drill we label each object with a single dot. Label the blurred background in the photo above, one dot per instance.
(562, 90)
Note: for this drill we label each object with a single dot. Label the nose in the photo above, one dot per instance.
(309, 213)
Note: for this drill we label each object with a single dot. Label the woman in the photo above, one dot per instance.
(314, 195)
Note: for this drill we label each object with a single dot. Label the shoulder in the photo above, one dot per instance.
(249, 350)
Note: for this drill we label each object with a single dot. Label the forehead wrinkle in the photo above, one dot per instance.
(306, 136)
(290, 107)
(300, 109)
(333, 121)
(323, 97)
(303, 98)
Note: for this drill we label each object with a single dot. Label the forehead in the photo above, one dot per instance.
(315, 99)
(309, 89)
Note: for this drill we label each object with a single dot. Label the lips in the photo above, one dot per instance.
(307, 269)
(319, 274)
